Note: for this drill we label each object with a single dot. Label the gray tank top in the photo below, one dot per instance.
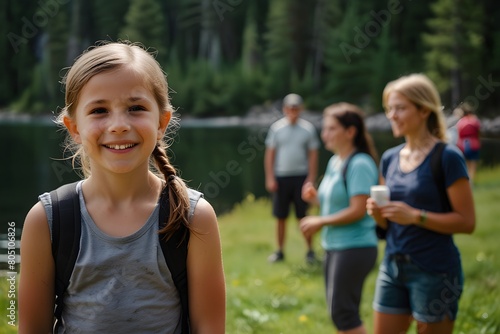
(120, 284)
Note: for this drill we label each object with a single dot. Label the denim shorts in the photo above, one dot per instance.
(403, 288)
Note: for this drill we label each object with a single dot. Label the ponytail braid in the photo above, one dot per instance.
(177, 193)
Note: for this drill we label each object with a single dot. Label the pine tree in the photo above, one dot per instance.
(349, 58)
(58, 39)
(491, 54)
(327, 14)
(145, 23)
(387, 65)
(17, 47)
(109, 18)
(6, 89)
(250, 53)
(287, 44)
(454, 46)
(279, 49)
(407, 25)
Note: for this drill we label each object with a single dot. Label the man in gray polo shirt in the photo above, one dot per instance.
(290, 160)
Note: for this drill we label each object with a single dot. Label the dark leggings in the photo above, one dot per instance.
(345, 273)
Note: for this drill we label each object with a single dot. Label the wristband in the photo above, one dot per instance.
(423, 217)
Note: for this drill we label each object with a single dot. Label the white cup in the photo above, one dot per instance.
(380, 194)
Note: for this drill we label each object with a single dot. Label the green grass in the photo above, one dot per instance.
(288, 297)
(5, 286)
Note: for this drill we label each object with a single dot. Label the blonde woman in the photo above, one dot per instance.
(420, 277)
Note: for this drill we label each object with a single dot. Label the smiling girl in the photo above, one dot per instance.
(117, 112)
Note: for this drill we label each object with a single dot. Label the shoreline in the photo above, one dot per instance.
(256, 117)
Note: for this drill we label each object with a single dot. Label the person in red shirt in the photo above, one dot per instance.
(468, 128)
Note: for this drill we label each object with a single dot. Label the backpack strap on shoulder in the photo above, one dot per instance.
(438, 175)
(66, 232)
(175, 251)
(379, 231)
(344, 168)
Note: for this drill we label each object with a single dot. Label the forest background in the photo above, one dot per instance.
(224, 56)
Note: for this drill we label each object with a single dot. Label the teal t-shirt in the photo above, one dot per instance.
(361, 174)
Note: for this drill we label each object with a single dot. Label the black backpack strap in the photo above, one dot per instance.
(438, 175)
(175, 252)
(381, 233)
(66, 232)
(344, 168)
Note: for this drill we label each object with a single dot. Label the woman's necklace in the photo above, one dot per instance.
(410, 159)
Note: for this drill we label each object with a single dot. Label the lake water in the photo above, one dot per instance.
(224, 162)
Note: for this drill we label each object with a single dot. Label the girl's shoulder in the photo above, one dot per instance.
(200, 209)
(362, 163)
(36, 217)
(362, 157)
(194, 198)
(333, 159)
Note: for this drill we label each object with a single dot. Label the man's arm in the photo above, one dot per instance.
(269, 158)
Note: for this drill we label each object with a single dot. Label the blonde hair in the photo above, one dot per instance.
(106, 57)
(422, 92)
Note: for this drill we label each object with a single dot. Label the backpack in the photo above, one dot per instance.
(437, 173)
(66, 233)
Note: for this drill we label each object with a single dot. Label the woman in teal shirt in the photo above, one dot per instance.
(348, 233)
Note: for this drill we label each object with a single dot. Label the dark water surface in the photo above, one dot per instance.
(225, 163)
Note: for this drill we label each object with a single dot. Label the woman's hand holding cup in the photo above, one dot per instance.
(379, 196)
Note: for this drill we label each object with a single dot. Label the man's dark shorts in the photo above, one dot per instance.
(289, 191)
